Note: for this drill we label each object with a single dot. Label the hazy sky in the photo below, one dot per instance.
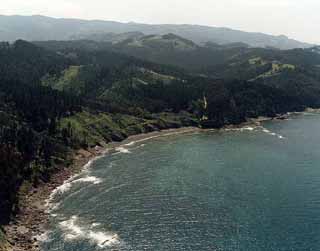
(298, 19)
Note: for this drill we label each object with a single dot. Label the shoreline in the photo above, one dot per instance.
(25, 230)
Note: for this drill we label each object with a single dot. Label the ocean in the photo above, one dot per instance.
(248, 189)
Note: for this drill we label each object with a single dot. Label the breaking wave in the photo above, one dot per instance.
(121, 149)
(44, 237)
(131, 143)
(74, 231)
(241, 129)
(66, 186)
(255, 128)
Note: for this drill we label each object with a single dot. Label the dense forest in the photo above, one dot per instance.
(56, 97)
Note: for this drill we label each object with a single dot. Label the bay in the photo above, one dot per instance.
(251, 189)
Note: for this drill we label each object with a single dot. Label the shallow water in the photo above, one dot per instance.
(252, 189)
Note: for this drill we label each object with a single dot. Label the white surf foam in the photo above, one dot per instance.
(63, 188)
(121, 149)
(72, 231)
(50, 205)
(131, 143)
(265, 130)
(88, 165)
(251, 128)
(157, 136)
(44, 237)
(89, 179)
(102, 239)
(66, 186)
(241, 129)
(247, 128)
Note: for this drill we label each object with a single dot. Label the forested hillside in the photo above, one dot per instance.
(56, 97)
(214, 60)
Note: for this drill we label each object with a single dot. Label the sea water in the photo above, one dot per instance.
(251, 189)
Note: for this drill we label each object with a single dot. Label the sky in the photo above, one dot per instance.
(295, 18)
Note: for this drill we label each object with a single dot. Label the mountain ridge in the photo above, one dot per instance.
(38, 27)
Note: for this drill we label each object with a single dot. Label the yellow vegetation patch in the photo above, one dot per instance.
(257, 61)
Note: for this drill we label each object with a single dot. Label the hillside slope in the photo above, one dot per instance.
(229, 61)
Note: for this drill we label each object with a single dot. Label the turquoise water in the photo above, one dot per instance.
(250, 190)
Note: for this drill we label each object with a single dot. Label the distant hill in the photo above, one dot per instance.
(228, 61)
(167, 42)
(168, 49)
(111, 37)
(40, 28)
(315, 49)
